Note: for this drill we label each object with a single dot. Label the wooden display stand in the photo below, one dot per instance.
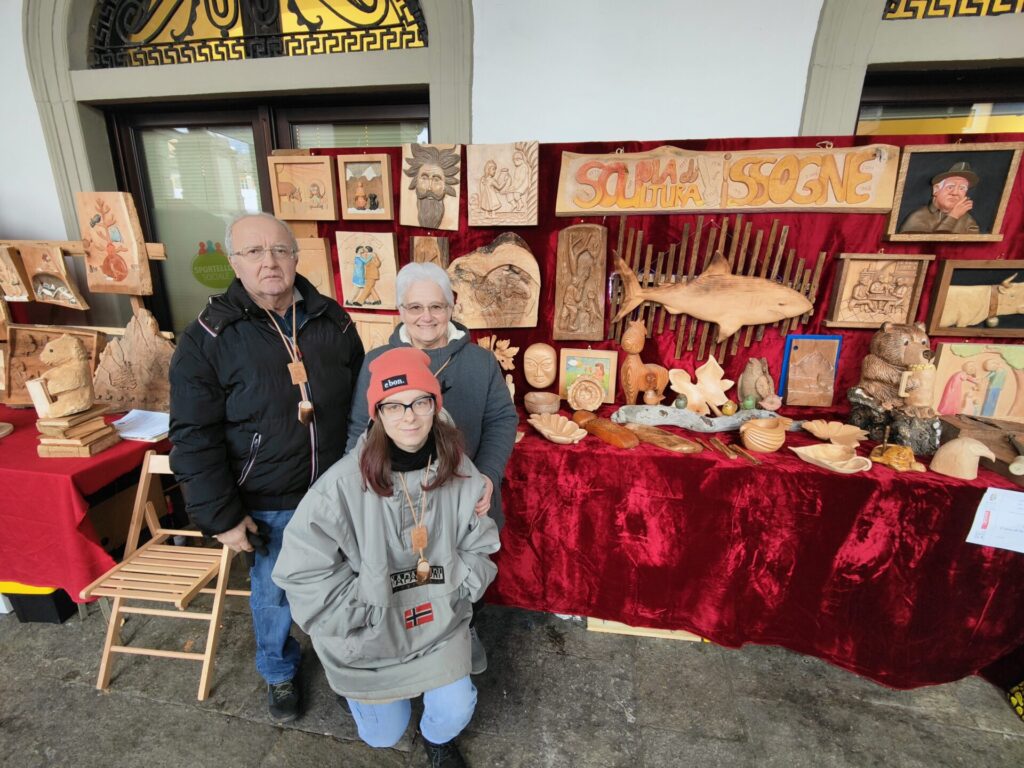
(78, 435)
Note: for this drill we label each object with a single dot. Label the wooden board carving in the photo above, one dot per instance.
(302, 187)
(430, 198)
(501, 183)
(315, 264)
(432, 250)
(368, 267)
(48, 275)
(497, 285)
(580, 281)
(115, 250)
(365, 187)
(672, 180)
(809, 370)
(979, 380)
(872, 289)
(133, 371)
(14, 283)
(25, 342)
(374, 330)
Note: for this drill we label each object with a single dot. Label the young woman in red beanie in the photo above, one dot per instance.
(384, 558)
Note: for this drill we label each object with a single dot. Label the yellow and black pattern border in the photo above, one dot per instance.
(946, 9)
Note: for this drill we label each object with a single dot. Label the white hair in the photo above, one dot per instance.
(228, 247)
(419, 272)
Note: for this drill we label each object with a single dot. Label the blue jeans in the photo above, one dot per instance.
(446, 711)
(277, 652)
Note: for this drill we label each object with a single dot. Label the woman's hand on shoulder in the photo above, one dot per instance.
(484, 503)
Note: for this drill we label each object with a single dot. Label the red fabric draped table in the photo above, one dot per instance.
(46, 537)
(870, 571)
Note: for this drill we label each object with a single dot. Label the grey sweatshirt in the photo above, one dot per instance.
(347, 566)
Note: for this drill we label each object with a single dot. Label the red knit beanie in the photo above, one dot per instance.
(397, 370)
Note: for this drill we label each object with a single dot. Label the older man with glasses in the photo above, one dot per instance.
(261, 386)
(475, 394)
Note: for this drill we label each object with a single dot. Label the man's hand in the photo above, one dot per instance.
(235, 538)
(485, 498)
(961, 208)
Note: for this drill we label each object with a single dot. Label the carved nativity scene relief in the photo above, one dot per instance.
(580, 281)
(115, 250)
(48, 275)
(14, 284)
(501, 182)
(368, 269)
(497, 285)
(133, 371)
(872, 289)
(431, 198)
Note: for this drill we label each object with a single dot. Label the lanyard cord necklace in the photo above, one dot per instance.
(296, 368)
(419, 531)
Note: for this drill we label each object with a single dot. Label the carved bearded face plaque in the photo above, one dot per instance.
(540, 364)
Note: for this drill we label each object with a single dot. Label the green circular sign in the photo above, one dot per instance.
(210, 266)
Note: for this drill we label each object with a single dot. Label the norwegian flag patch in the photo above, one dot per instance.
(421, 614)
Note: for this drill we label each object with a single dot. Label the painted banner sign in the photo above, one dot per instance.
(672, 180)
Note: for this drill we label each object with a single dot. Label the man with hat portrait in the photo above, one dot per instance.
(949, 210)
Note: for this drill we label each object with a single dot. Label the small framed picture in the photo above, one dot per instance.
(809, 369)
(368, 266)
(302, 187)
(978, 298)
(873, 288)
(602, 364)
(953, 192)
(315, 264)
(365, 182)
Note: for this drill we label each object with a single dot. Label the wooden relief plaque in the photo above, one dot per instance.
(115, 250)
(48, 275)
(579, 282)
(432, 250)
(501, 184)
(133, 371)
(430, 191)
(315, 264)
(497, 285)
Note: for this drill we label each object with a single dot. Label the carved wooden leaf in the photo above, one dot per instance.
(711, 382)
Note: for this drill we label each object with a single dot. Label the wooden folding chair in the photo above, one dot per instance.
(161, 572)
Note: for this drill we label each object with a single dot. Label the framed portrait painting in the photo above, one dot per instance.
(978, 298)
(873, 288)
(953, 192)
(602, 364)
(366, 187)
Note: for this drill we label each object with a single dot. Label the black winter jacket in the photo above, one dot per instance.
(237, 442)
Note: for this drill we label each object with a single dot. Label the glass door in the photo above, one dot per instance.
(196, 175)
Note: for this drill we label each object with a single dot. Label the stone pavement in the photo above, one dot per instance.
(554, 695)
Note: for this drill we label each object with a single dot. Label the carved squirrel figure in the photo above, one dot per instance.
(895, 350)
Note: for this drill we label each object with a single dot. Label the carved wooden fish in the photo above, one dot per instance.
(716, 296)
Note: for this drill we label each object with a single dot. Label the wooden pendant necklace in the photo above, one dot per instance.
(296, 368)
(419, 530)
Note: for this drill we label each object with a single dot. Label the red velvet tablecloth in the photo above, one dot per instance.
(868, 571)
(46, 538)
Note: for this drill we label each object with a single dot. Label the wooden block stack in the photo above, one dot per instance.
(78, 435)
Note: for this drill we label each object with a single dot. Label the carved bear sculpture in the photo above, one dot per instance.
(66, 386)
(895, 349)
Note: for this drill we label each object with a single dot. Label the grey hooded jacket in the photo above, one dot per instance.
(347, 566)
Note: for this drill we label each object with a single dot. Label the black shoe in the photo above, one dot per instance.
(445, 755)
(283, 700)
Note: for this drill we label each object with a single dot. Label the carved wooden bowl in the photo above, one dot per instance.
(836, 432)
(557, 428)
(837, 458)
(764, 435)
(585, 394)
(541, 402)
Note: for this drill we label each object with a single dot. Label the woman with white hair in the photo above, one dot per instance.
(475, 394)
